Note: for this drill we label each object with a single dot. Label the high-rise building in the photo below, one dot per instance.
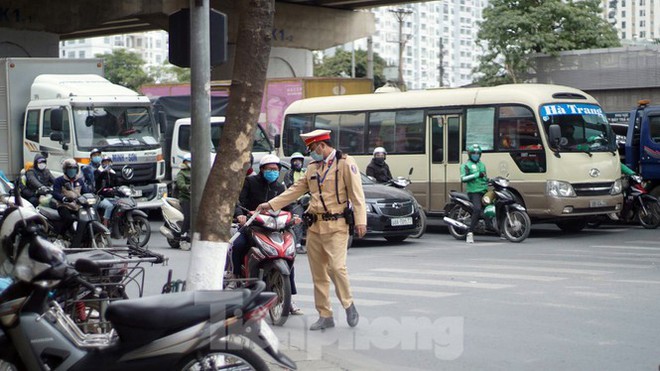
(439, 39)
(152, 46)
(636, 21)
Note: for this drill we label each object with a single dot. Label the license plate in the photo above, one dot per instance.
(266, 333)
(136, 193)
(596, 203)
(402, 221)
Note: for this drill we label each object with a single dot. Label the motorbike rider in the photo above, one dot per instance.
(473, 174)
(257, 189)
(39, 180)
(297, 171)
(66, 189)
(183, 192)
(95, 157)
(377, 168)
(105, 179)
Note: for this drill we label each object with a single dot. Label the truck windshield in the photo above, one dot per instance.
(115, 128)
(583, 127)
(261, 142)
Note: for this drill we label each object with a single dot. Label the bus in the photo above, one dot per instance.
(552, 142)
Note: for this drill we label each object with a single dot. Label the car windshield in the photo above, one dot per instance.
(118, 128)
(261, 143)
(583, 128)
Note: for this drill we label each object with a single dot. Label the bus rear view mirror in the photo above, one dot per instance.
(554, 133)
(277, 141)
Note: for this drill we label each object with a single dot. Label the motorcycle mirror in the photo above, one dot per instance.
(87, 267)
(410, 172)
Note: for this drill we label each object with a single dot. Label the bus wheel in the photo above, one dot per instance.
(572, 226)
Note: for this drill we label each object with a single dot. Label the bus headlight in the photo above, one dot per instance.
(556, 188)
(617, 187)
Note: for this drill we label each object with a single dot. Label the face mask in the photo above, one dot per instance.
(96, 159)
(71, 173)
(379, 160)
(296, 165)
(271, 175)
(41, 166)
(475, 157)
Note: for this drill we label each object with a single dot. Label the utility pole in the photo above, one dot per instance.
(441, 69)
(400, 14)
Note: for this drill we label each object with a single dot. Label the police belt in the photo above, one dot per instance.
(310, 218)
(329, 216)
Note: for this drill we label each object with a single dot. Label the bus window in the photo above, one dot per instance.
(296, 125)
(479, 128)
(437, 139)
(351, 132)
(453, 140)
(517, 129)
(397, 131)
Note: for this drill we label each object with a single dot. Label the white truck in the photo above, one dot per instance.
(63, 108)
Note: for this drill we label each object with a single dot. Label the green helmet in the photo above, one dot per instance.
(475, 148)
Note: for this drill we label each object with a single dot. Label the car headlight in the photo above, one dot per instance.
(617, 187)
(556, 188)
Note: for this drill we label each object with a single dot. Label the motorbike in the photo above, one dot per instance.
(503, 214)
(270, 258)
(89, 231)
(173, 217)
(638, 206)
(402, 183)
(127, 221)
(179, 331)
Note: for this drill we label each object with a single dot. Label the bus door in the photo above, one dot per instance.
(445, 157)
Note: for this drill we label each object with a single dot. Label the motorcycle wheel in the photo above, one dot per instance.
(649, 216)
(422, 223)
(101, 239)
(281, 285)
(173, 243)
(228, 356)
(459, 214)
(139, 231)
(516, 228)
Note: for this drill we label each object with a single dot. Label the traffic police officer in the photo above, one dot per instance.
(336, 205)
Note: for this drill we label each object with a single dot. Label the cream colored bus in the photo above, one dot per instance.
(553, 142)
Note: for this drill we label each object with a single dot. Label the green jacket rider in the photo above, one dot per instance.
(473, 174)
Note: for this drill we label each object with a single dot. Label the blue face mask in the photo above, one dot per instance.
(96, 159)
(71, 173)
(316, 156)
(475, 157)
(271, 175)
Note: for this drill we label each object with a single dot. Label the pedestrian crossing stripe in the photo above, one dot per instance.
(361, 302)
(628, 247)
(429, 282)
(389, 291)
(473, 274)
(572, 262)
(588, 272)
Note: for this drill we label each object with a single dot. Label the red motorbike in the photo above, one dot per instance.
(638, 205)
(270, 257)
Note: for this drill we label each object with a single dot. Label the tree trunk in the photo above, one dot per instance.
(228, 171)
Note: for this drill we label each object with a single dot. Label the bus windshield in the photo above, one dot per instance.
(582, 127)
(118, 128)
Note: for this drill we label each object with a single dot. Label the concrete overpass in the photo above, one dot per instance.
(34, 28)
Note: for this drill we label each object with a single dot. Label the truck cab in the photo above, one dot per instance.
(69, 115)
(643, 144)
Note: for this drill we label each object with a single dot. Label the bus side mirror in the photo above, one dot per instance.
(554, 133)
(277, 139)
(162, 121)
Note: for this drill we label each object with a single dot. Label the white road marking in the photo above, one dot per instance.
(360, 301)
(590, 272)
(471, 274)
(569, 262)
(417, 281)
(387, 291)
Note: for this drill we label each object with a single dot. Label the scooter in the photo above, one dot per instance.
(638, 206)
(270, 258)
(127, 221)
(173, 217)
(89, 231)
(179, 331)
(402, 183)
(503, 214)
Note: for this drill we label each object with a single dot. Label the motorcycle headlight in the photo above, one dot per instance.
(91, 201)
(617, 187)
(556, 188)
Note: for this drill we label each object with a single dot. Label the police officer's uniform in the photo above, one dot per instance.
(332, 183)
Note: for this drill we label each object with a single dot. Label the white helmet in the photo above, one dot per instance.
(380, 150)
(269, 159)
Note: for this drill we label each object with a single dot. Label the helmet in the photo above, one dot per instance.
(296, 155)
(95, 150)
(106, 158)
(187, 157)
(69, 163)
(380, 150)
(269, 159)
(475, 148)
